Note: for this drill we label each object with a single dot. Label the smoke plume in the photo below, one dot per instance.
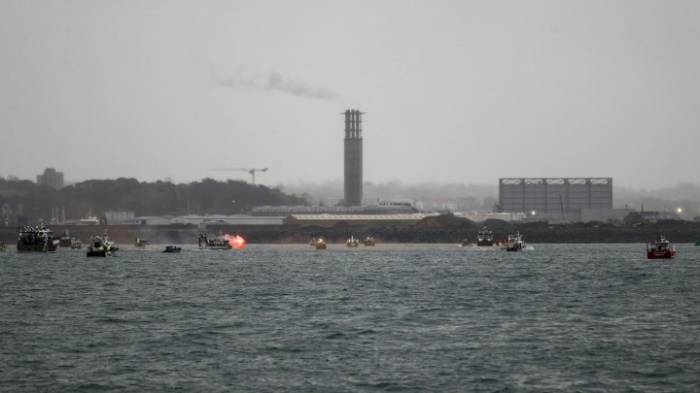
(276, 82)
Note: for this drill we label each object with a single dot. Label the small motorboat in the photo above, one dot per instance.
(140, 243)
(515, 242)
(661, 249)
(102, 246)
(172, 249)
(465, 243)
(76, 244)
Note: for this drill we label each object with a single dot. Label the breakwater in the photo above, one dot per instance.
(677, 232)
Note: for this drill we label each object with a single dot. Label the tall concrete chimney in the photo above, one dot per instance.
(353, 158)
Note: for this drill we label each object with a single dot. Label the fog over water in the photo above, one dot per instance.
(453, 92)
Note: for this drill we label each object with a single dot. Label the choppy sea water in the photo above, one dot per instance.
(389, 318)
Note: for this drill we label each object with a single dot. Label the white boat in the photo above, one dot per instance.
(102, 246)
(352, 242)
(515, 243)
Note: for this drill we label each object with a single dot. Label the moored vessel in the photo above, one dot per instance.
(661, 248)
(369, 241)
(515, 242)
(36, 239)
(484, 238)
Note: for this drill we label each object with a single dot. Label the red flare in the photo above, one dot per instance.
(236, 242)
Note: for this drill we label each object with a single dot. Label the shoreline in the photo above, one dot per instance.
(677, 232)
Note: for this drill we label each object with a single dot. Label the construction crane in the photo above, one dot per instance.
(249, 170)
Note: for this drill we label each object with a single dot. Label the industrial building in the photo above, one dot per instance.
(566, 199)
(50, 178)
(353, 158)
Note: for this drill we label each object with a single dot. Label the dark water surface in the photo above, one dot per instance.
(392, 318)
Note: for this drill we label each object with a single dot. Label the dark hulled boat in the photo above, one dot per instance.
(484, 238)
(218, 243)
(172, 249)
(36, 239)
(65, 241)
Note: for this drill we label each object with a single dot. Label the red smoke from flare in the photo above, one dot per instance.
(236, 242)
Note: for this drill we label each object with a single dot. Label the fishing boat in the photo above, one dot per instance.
(36, 239)
(76, 244)
(172, 249)
(369, 241)
(65, 241)
(102, 246)
(320, 244)
(515, 243)
(218, 243)
(140, 243)
(484, 238)
(661, 249)
(352, 242)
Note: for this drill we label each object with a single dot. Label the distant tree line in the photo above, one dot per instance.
(22, 198)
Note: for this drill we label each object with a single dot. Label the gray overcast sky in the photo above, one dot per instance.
(454, 91)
